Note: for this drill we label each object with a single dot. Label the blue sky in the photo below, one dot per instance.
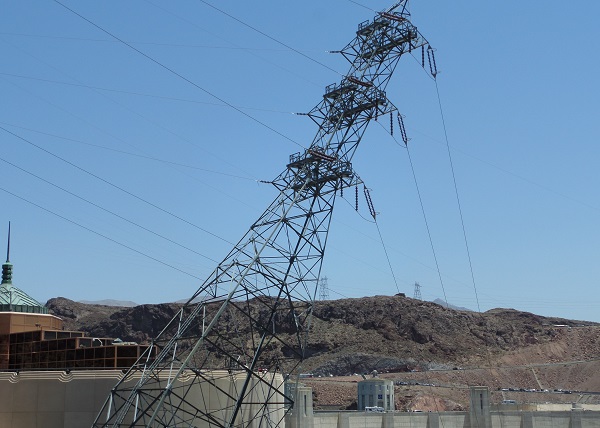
(141, 146)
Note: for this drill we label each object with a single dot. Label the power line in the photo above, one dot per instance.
(437, 265)
(462, 220)
(107, 210)
(153, 122)
(120, 91)
(170, 70)
(128, 153)
(271, 37)
(125, 142)
(181, 45)
(114, 185)
(100, 234)
(251, 52)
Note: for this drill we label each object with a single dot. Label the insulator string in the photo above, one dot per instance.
(402, 129)
(432, 64)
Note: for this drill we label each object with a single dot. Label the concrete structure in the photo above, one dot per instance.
(302, 414)
(376, 392)
(479, 413)
(57, 399)
(479, 416)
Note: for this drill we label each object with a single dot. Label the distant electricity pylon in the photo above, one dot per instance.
(418, 291)
(323, 289)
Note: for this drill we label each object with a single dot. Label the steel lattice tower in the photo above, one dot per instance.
(417, 295)
(323, 289)
(219, 361)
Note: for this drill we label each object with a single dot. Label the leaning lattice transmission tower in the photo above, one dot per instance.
(222, 359)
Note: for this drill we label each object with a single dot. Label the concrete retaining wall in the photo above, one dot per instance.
(564, 419)
(57, 399)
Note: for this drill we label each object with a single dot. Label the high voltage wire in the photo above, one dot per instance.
(125, 142)
(300, 76)
(270, 37)
(177, 73)
(99, 234)
(106, 210)
(120, 91)
(170, 70)
(45, 36)
(155, 123)
(128, 153)
(114, 185)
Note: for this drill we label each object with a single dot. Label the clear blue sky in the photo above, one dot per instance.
(519, 95)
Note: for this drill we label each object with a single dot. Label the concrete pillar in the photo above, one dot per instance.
(527, 420)
(302, 415)
(388, 420)
(433, 421)
(343, 420)
(479, 412)
(576, 417)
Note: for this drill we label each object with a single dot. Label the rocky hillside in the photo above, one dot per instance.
(402, 338)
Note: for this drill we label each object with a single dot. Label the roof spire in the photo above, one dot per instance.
(7, 267)
(8, 246)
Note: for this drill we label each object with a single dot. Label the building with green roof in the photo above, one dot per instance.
(13, 299)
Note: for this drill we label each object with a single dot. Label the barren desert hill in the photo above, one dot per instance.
(384, 333)
(411, 341)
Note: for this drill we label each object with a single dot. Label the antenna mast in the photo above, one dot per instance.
(219, 361)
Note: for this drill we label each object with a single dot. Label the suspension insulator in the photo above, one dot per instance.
(369, 202)
(402, 129)
(432, 64)
(356, 195)
(391, 124)
(341, 189)
(423, 56)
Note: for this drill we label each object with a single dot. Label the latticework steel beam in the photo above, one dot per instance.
(221, 360)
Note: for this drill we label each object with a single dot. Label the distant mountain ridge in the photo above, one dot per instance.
(404, 339)
(356, 335)
(110, 302)
(450, 306)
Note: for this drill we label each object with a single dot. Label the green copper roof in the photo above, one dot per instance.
(13, 299)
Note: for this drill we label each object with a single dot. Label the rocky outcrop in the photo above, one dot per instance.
(384, 333)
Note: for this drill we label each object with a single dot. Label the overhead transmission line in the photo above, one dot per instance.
(133, 42)
(81, 198)
(462, 221)
(141, 94)
(181, 76)
(100, 234)
(125, 142)
(210, 93)
(127, 192)
(270, 37)
(62, 137)
(153, 122)
(251, 52)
